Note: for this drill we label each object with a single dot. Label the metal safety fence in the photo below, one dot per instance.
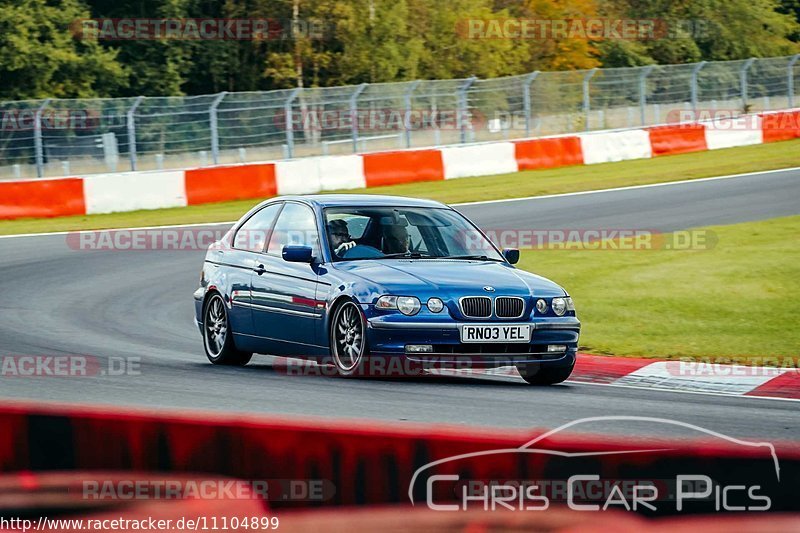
(56, 137)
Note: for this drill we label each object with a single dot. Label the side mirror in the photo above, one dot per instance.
(511, 255)
(297, 253)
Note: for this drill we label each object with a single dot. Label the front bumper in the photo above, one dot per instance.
(389, 335)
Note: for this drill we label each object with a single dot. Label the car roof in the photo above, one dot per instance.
(358, 200)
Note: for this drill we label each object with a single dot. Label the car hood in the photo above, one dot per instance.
(448, 278)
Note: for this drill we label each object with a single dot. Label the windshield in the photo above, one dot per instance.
(396, 232)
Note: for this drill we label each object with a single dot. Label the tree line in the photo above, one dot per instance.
(45, 50)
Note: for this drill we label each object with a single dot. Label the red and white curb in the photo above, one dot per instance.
(696, 376)
(689, 375)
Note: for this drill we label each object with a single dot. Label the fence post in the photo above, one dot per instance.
(354, 114)
(212, 119)
(407, 118)
(695, 72)
(37, 138)
(462, 106)
(287, 111)
(790, 79)
(586, 103)
(643, 92)
(526, 100)
(743, 82)
(132, 131)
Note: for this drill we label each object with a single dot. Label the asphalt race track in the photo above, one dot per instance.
(112, 304)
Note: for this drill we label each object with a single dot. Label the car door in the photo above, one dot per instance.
(285, 308)
(247, 244)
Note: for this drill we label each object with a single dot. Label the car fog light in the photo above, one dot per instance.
(559, 306)
(408, 305)
(435, 305)
(541, 306)
(419, 348)
(556, 348)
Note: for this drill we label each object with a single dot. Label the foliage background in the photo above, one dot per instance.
(366, 41)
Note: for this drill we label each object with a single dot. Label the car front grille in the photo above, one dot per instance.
(476, 306)
(481, 306)
(509, 307)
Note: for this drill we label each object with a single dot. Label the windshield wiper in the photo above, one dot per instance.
(474, 257)
(410, 255)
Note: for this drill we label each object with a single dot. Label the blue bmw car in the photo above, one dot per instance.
(361, 283)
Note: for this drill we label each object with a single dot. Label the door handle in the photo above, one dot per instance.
(259, 270)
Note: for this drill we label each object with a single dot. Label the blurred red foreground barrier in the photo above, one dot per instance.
(365, 463)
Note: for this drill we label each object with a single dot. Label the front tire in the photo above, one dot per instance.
(348, 340)
(218, 337)
(537, 374)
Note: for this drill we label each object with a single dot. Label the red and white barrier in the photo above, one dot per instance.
(131, 191)
(298, 176)
(405, 166)
(42, 198)
(608, 147)
(479, 160)
(548, 152)
(342, 172)
(668, 140)
(727, 133)
(220, 184)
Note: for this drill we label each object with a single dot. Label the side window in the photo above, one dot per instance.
(254, 234)
(296, 225)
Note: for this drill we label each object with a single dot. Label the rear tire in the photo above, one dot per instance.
(218, 337)
(536, 374)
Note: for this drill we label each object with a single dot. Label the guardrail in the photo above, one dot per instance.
(130, 191)
(56, 137)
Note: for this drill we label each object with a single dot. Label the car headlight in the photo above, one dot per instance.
(559, 306)
(435, 305)
(541, 306)
(408, 305)
(570, 305)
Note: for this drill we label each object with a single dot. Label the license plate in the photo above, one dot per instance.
(495, 333)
